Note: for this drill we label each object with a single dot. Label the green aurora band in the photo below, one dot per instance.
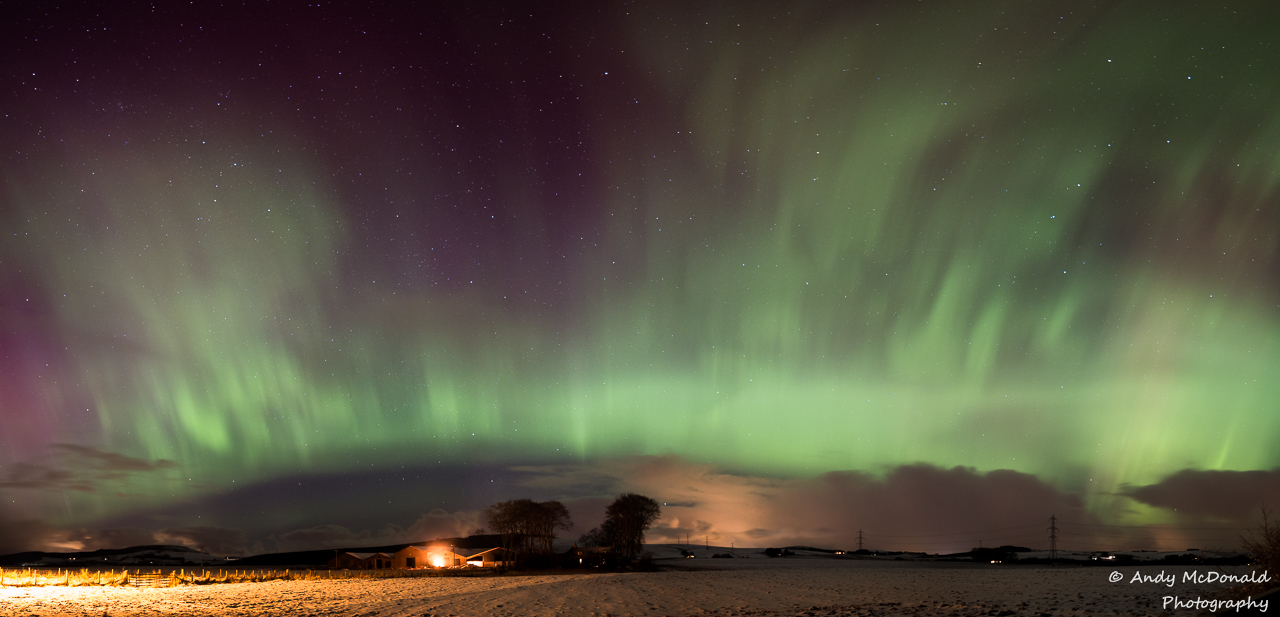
(1037, 241)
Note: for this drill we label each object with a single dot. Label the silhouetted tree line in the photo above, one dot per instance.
(625, 521)
(1263, 542)
(527, 526)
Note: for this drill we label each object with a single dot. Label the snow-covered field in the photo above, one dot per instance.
(758, 586)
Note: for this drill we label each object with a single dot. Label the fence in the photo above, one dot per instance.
(41, 577)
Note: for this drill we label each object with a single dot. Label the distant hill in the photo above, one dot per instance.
(320, 558)
(294, 559)
(811, 549)
(989, 554)
(148, 555)
(173, 555)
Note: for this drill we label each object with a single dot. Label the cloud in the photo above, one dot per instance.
(29, 535)
(910, 507)
(439, 523)
(320, 537)
(39, 477)
(21, 535)
(120, 537)
(923, 507)
(212, 540)
(18, 535)
(111, 462)
(1236, 496)
(79, 468)
(600, 478)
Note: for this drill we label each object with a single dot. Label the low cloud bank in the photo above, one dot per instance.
(212, 540)
(17, 535)
(72, 467)
(1234, 496)
(911, 507)
(437, 523)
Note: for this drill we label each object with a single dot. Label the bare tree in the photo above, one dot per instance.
(629, 516)
(528, 526)
(1263, 542)
(504, 520)
(550, 517)
(601, 537)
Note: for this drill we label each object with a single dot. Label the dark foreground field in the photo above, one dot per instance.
(728, 587)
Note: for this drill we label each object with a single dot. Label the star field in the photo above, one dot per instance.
(297, 241)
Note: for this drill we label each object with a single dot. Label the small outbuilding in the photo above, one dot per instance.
(488, 557)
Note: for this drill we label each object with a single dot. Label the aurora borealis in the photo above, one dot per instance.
(712, 250)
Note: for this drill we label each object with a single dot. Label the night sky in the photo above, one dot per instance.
(278, 276)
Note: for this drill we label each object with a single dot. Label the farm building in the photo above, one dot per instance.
(440, 556)
(487, 557)
(411, 557)
(361, 561)
(415, 556)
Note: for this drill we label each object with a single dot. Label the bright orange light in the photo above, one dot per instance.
(56, 593)
(436, 560)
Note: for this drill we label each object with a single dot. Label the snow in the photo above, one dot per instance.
(752, 586)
